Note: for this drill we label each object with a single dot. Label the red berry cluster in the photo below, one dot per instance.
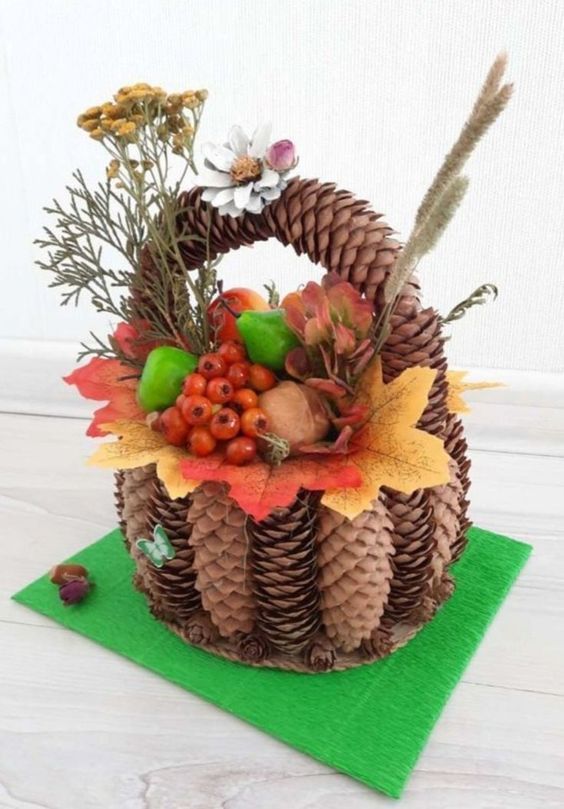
(219, 403)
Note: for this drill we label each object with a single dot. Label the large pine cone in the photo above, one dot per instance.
(355, 560)
(284, 570)
(221, 548)
(457, 448)
(445, 504)
(415, 339)
(135, 487)
(412, 564)
(173, 586)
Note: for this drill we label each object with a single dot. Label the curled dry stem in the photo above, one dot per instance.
(479, 297)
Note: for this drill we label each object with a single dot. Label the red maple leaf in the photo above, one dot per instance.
(103, 380)
(259, 488)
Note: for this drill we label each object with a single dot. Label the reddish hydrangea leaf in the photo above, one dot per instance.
(295, 313)
(345, 339)
(317, 310)
(297, 363)
(316, 332)
(352, 310)
(102, 380)
(131, 341)
(258, 488)
(350, 414)
(315, 300)
(326, 386)
(338, 447)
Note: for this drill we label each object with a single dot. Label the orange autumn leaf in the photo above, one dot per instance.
(102, 379)
(258, 488)
(457, 386)
(390, 450)
(138, 445)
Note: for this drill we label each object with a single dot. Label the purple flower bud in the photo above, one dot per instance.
(74, 591)
(281, 156)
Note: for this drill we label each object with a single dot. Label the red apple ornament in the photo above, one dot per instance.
(238, 299)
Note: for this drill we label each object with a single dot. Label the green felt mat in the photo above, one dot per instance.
(371, 722)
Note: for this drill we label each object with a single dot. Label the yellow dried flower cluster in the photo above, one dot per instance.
(112, 169)
(139, 105)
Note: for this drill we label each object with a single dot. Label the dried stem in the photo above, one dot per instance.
(491, 101)
(492, 81)
(136, 210)
(479, 297)
(427, 234)
(277, 449)
(445, 193)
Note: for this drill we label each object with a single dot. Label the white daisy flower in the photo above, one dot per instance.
(245, 174)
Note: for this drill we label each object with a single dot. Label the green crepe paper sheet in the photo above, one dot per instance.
(370, 722)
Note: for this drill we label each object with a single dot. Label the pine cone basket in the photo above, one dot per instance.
(305, 589)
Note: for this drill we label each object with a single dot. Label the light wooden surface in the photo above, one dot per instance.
(81, 728)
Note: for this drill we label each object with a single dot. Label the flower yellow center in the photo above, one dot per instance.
(245, 168)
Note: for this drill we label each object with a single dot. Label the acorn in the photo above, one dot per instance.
(295, 413)
(61, 574)
(74, 591)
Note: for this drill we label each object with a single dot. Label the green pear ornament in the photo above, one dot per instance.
(164, 372)
(267, 337)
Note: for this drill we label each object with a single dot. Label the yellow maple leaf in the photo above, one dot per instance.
(390, 450)
(457, 386)
(138, 445)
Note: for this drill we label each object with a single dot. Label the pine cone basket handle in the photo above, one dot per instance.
(328, 225)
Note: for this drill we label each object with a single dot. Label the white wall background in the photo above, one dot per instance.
(372, 91)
